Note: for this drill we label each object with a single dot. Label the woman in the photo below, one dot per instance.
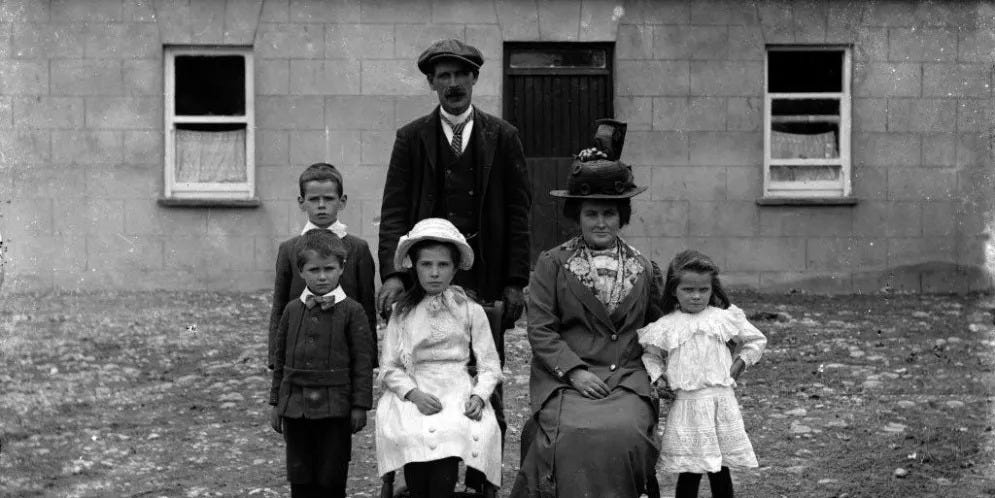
(593, 417)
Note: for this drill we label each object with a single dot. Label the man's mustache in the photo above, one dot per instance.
(454, 92)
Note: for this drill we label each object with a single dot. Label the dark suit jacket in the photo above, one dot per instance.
(323, 364)
(411, 193)
(357, 282)
(568, 327)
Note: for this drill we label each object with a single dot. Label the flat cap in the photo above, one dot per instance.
(449, 49)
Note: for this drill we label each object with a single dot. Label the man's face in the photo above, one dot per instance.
(453, 83)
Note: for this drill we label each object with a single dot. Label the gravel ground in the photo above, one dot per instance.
(164, 394)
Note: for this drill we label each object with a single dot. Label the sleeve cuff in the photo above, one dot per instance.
(480, 392)
(749, 357)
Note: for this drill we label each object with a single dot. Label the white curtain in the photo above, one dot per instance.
(804, 173)
(210, 156)
(798, 146)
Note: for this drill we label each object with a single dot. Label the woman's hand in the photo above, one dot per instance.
(588, 384)
(276, 421)
(737, 369)
(474, 408)
(425, 402)
(357, 417)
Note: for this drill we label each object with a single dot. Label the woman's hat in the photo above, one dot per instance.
(598, 173)
(437, 229)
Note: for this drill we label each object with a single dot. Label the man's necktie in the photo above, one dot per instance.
(326, 302)
(457, 143)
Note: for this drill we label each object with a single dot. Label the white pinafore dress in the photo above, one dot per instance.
(429, 348)
(704, 430)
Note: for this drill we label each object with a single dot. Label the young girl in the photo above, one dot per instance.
(433, 413)
(686, 351)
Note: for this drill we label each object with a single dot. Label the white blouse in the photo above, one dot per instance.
(691, 347)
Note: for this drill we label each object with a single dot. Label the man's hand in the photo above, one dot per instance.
(737, 369)
(276, 421)
(474, 408)
(514, 303)
(588, 384)
(358, 418)
(662, 388)
(425, 402)
(388, 294)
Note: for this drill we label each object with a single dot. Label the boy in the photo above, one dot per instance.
(322, 377)
(322, 198)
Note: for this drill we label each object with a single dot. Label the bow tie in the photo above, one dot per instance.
(326, 302)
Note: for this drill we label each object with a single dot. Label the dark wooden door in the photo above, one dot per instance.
(553, 92)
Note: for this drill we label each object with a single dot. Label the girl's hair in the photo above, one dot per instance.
(415, 293)
(571, 209)
(697, 262)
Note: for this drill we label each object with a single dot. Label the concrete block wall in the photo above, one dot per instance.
(81, 138)
(690, 84)
(81, 133)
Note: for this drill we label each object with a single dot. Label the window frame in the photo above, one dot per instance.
(841, 188)
(207, 190)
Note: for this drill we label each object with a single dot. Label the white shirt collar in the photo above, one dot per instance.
(467, 128)
(456, 119)
(337, 292)
(338, 228)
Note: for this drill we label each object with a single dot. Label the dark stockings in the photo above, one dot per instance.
(313, 491)
(435, 479)
(720, 482)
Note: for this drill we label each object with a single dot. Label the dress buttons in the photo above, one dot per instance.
(475, 454)
(471, 193)
(614, 337)
(314, 319)
(476, 438)
(612, 367)
(431, 446)
(452, 215)
(431, 429)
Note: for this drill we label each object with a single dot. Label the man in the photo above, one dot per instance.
(467, 166)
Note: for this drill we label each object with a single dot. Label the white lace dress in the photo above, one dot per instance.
(429, 349)
(704, 430)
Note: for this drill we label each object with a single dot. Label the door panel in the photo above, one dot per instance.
(554, 107)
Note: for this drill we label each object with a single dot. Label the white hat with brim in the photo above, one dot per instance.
(437, 229)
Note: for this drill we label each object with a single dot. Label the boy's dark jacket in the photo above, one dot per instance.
(356, 281)
(323, 361)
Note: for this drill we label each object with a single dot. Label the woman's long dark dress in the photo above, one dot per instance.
(585, 447)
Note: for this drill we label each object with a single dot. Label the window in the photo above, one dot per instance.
(807, 122)
(209, 123)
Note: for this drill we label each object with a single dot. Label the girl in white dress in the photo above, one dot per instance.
(690, 350)
(433, 413)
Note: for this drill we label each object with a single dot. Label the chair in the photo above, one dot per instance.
(494, 312)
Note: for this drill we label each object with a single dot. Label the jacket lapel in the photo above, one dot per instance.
(430, 138)
(486, 136)
(630, 301)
